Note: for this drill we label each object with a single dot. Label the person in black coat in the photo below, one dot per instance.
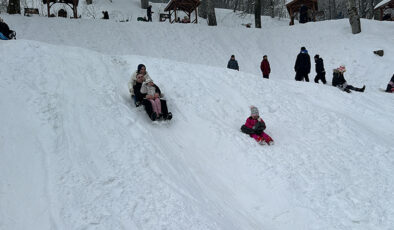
(302, 65)
(338, 80)
(390, 85)
(319, 66)
(5, 31)
(232, 63)
(149, 13)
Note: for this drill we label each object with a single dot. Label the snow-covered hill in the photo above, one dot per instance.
(76, 154)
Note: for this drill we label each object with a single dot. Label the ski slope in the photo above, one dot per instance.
(76, 154)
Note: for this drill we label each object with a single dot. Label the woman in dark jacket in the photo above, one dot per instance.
(339, 81)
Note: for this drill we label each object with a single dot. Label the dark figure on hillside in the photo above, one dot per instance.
(339, 81)
(149, 13)
(302, 65)
(5, 32)
(106, 15)
(232, 63)
(303, 14)
(320, 72)
(142, 19)
(265, 67)
(390, 85)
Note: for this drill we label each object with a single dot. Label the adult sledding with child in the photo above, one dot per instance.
(144, 92)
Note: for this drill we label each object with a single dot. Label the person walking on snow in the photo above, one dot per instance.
(149, 13)
(232, 63)
(320, 72)
(302, 66)
(255, 126)
(265, 67)
(339, 81)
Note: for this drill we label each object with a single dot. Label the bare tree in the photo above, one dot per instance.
(14, 7)
(211, 13)
(144, 4)
(202, 9)
(272, 8)
(257, 14)
(354, 18)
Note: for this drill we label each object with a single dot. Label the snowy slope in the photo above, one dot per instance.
(76, 154)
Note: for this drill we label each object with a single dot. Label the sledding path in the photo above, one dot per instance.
(87, 159)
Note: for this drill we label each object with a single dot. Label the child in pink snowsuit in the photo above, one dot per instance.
(150, 89)
(255, 122)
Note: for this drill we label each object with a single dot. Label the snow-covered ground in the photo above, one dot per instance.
(76, 154)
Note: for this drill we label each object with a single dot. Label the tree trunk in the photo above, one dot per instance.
(211, 13)
(354, 18)
(144, 4)
(334, 9)
(370, 9)
(202, 9)
(272, 8)
(14, 7)
(257, 14)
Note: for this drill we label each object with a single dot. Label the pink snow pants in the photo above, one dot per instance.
(156, 105)
(263, 136)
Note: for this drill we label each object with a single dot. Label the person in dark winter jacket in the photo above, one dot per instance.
(255, 126)
(339, 81)
(265, 67)
(390, 85)
(320, 72)
(302, 65)
(149, 13)
(5, 32)
(232, 63)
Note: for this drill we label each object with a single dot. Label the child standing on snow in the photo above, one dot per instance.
(255, 126)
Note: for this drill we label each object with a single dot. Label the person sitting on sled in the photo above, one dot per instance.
(255, 126)
(155, 107)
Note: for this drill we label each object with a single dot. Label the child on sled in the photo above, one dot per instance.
(255, 126)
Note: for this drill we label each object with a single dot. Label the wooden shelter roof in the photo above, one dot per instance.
(295, 5)
(184, 5)
(384, 4)
(71, 2)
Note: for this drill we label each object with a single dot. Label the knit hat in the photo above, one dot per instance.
(140, 67)
(317, 56)
(254, 111)
(341, 68)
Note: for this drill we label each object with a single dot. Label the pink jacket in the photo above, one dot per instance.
(250, 122)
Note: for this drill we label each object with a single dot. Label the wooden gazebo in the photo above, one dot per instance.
(293, 6)
(382, 6)
(187, 6)
(73, 4)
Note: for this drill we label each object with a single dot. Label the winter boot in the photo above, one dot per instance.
(168, 116)
(153, 116)
(362, 89)
(347, 90)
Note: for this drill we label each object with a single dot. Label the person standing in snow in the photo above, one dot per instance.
(141, 69)
(390, 85)
(320, 72)
(339, 81)
(302, 65)
(255, 126)
(265, 67)
(5, 32)
(232, 63)
(155, 107)
(149, 13)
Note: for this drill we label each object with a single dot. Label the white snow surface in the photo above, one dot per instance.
(76, 154)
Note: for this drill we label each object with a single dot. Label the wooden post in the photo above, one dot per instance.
(381, 13)
(175, 14)
(49, 9)
(196, 15)
(291, 17)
